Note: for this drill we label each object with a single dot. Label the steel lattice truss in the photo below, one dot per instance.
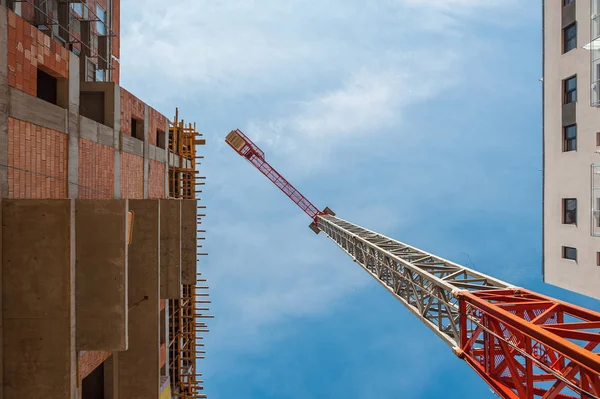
(421, 281)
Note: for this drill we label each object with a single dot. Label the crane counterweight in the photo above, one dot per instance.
(523, 344)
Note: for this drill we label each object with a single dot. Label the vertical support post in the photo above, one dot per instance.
(146, 151)
(73, 126)
(117, 139)
(4, 100)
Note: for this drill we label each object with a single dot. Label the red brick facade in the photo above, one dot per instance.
(96, 170)
(156, 180)
(131, 107)
(37, 161)
(30, 49)
(132, 176)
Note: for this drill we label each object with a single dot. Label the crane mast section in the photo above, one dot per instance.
(423, 282)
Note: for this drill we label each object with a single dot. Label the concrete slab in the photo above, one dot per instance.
(188, 241)
(138, 370)
(170, 249)
(101, 272)
(38, 299)
(37, 111)
(132, 145)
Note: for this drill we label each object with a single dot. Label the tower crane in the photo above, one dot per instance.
(523, 344)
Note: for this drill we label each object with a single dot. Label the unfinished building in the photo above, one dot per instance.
(101, 296)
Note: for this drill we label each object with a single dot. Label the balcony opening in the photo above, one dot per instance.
(161, 139)
(137, 129)
(47, 87)
(91, 105)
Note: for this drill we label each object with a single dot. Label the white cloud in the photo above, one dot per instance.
(367, 104)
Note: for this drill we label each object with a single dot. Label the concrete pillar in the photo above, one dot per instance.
(146, 151)
(73, 127)
(101, 272)
(138, 371)
(167, 159)
(4, 101)
(117, 138)
(170, 249)
(188, 241)
(38, 297)
(111, 377)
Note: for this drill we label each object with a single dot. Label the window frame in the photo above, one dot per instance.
(101, 14)
(77, 8)
(569, 143)
(567, 41)
(565, 252)
(569, 96)
(569, 217)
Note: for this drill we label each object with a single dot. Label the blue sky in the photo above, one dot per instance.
(419, 119)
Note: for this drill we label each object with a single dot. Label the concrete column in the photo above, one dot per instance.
(38, 297)
(170, 249)
(138, 371)
(102, 303)
(111, 377)
(4, 101)
(188, 241)
(73, 127)
(117, 138)
(167, 159)
(146, 151)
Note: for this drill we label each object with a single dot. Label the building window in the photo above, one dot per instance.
(569, 210)
(569, 253)
(597, 139)
(570, 37)
(99, 75)
(597, 258)
(567, 2)
(570, 138)
(101, 24)
(78, 8)
(570, 89)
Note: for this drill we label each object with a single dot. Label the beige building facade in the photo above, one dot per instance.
(571, 101)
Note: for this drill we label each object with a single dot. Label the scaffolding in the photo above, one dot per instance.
(187, 315)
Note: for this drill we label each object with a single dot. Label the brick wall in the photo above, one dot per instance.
(157, 122)
(96, 170)
(132, 176)
(37, 160)
(156, 180)
(131, 106)
(30, 49)
(88, 361)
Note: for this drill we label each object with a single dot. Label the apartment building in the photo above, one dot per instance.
(100, 291)
(571, 97)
